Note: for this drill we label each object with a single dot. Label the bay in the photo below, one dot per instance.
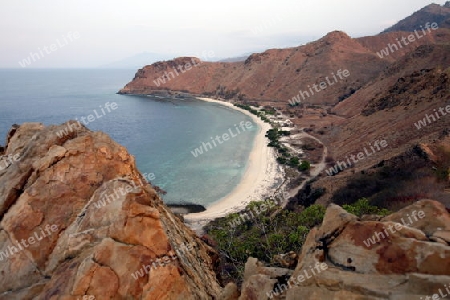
(159, 132)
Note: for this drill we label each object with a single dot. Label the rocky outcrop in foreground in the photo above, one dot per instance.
(403, 256)
(78, 219)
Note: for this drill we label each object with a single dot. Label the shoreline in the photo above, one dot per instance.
(260, 175)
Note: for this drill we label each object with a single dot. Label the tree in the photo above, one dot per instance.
(304, 166)
(363, 207)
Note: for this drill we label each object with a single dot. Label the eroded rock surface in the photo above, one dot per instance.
(94, 221)
(338, 261)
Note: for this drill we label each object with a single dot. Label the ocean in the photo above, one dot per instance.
(161, 133)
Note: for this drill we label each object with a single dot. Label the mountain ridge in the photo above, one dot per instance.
(430, 13)
(269, 75)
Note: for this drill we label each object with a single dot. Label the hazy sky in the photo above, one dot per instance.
(112, 30)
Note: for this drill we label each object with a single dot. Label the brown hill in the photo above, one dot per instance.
(379, 42)
(407, 109)
(276, 75)
(424, 57)
(430, 13)
(393, 112)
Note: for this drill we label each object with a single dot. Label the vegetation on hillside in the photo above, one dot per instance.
(274, 134)
(261, 114)
(285, 157)
(362, 207)
(263, 231)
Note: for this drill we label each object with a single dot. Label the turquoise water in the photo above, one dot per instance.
(160, 133)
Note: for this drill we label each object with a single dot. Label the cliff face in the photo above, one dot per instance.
(77, 218)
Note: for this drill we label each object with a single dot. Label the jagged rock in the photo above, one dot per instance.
(102, 224)
(405, 264)
(259, 280)
(230, 292)
(335, 220)
(252, 267)
(257, 287)
(436, 221)
(255, 267)
(288, 260)
(336, 263)
(276, 272)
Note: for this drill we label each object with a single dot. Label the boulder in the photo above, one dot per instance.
(371, 258)
(401, 263)
(78, 219)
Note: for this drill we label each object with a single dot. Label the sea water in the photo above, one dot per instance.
(161, 133)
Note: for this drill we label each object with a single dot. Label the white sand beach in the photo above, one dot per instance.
(260, 175)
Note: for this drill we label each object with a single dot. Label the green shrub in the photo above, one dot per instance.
(304, 166)
(281, 160)
(277, 242)
(263, 236)
(283, 150)
(298, 236)
(274, 144)
(293, 161)
(363, 207)
(273, 134)
(311, 216)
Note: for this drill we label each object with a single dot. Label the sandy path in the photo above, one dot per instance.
(318, 168)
